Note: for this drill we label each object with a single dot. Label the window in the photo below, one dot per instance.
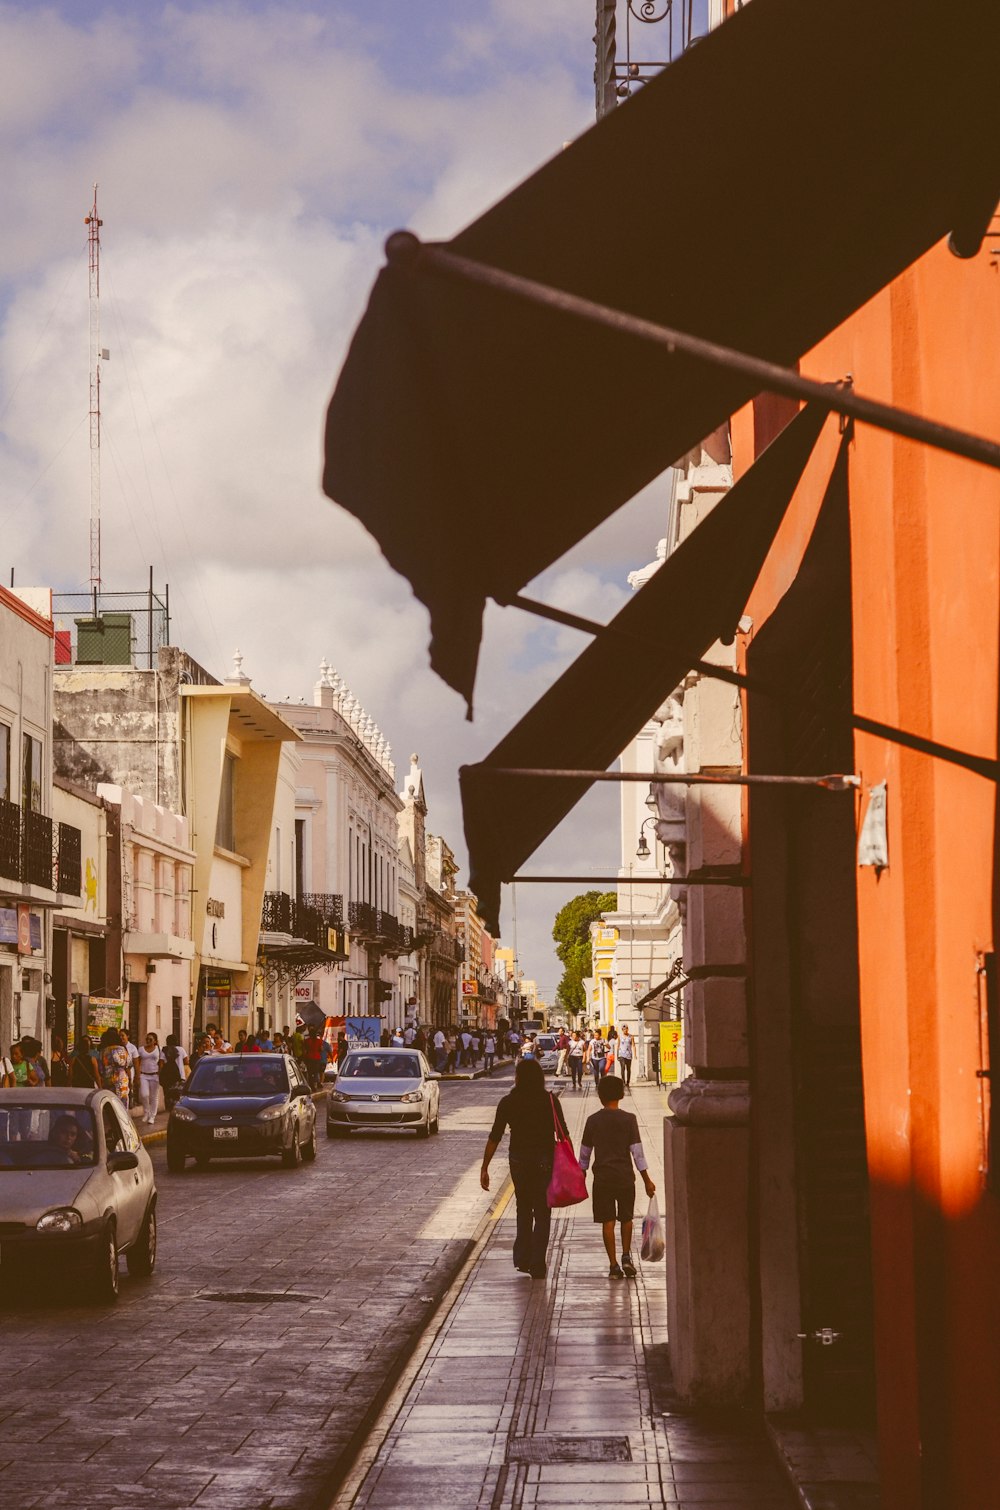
(114, 1132)
(5, 762)
(31, 787)
(225, 828)
(300, 853)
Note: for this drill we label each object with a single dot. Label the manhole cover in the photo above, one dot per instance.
(255, 1297)
(563, 1449)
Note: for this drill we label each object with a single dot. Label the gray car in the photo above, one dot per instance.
(76, 1187)
(384, 1088)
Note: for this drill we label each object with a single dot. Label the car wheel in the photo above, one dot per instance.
(141, 1258)
(105, 1275)
(424, 1130)
(309, 1149)
(436, 1124)
(292, 1157)
(175, 1158)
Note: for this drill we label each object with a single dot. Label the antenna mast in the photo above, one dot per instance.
(93, 224)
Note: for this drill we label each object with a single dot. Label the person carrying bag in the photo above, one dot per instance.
(532, 1116)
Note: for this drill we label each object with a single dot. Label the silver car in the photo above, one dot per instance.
(384, 1088)
(76, 1186)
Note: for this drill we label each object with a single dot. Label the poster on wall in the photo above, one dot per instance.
(103, 1012)
(363, 1032)
(239, 1004)
(671, 1048)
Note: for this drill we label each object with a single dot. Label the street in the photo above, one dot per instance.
(280, 1303)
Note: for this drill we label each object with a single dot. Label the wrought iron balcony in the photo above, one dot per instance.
(37, 855)
(276, 913)
(310, 917)
(10, 840)
(329, 905)
(68, 860)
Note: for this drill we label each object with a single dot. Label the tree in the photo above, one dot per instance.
(571, 931)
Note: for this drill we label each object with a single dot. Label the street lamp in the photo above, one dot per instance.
(642, 851)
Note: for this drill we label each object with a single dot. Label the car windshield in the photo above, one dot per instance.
(246, 1076)
(52, 1136)
(381, 1067)
(546, 1040)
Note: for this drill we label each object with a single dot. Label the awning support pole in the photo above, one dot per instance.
(405, 251)
(836, 782)
(647, 880)
(981, 765)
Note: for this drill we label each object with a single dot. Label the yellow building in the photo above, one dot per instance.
(601, 1006)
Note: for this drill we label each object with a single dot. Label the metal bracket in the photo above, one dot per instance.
(826, 1336)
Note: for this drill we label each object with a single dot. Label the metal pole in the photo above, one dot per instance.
(406, 251)
(605, 89)
(835, 782)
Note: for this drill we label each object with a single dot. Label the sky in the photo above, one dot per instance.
(251, 159)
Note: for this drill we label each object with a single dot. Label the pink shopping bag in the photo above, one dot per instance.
(568, 1185)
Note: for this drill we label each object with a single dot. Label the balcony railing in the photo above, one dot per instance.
(68, 860)
(310, 917)
(10, 840)
(329, 905)
(36, 849)
(29, 852)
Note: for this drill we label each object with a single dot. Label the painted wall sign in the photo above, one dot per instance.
(671, 1040)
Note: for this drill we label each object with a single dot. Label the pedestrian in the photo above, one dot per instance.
(613, 1137)
(279, 1044)
(24, 1075)
(596, 1057)
(562, 1046)
(535, 1118)
(397, 1040)
(450, 1054)
(173, 1070)
(59, 1062)
(38, 1069)
(84, 1071)
(298, 1044)
(134, 1089)
(239, 1046)
(626, 1052)
(149, 1059)
(385, 1038)
(574, 1058)
(409, 1034)
(342, 1049)
(420, 1041)
(265, 1042)
(439, 1053)
(491, 1050)
(314, 1058)
(114, 1062)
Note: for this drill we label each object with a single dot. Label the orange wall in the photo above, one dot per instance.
(925, 531)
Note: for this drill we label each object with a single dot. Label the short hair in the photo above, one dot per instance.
(610, 1088)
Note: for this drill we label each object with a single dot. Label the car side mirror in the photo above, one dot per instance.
(121, 1160)
(300, 1090)
(433, 1075)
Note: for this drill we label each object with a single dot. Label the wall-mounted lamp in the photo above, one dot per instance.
(642, 851)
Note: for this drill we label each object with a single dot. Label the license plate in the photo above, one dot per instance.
(227, 1132)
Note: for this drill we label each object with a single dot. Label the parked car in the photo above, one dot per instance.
(243, 1106)
(384, 1088)
(76, 1187)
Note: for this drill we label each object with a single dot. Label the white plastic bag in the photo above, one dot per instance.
(653, 1242)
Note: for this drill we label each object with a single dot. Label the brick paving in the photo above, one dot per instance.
(170, 1399)
(518, 1363)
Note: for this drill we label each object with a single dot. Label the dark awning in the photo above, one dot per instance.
(696, 597)
(755, 194)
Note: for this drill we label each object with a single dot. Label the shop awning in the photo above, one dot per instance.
(756, 193)
(695, 598)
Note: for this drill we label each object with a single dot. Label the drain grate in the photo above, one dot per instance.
(566, 1449)
(255, 1297)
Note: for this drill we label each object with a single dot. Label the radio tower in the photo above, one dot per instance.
(93, 224)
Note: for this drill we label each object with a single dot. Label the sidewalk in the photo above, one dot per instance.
(557, 1392)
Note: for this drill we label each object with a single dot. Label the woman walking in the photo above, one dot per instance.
(534, 1117)
(149, 1060)
(574, 1059)
(597, 1057)
(83, 1071)
(626, 1051)
(114, 1064)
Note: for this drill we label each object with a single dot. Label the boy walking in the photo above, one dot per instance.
(612, 1136)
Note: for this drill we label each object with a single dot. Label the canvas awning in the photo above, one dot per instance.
(696, 597)
(756, 193)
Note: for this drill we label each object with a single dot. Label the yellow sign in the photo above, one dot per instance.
(671, 1046)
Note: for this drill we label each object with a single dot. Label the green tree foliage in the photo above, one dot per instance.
(571, 931)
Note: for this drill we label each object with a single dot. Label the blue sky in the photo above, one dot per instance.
(251, 158)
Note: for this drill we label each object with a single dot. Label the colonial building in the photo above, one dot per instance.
(443, 949)
(39, 853)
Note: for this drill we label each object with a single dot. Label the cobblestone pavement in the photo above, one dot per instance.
(528, 1383)
(173, 1398)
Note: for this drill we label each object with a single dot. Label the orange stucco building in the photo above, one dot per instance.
(873, 989)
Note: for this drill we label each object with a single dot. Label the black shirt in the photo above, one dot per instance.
(532, 1130)
(611, 1135)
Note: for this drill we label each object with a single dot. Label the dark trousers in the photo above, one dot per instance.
(625, 1067)
(576, 1070)
(534, 1217)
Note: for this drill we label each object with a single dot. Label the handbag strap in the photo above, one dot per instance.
(561, 1136)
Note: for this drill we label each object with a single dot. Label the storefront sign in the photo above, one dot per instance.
(363, 1032)
(305, 990)
(103, 1012)
(469, 987)
(671, 1048)
(214, 908)
(8, 925)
